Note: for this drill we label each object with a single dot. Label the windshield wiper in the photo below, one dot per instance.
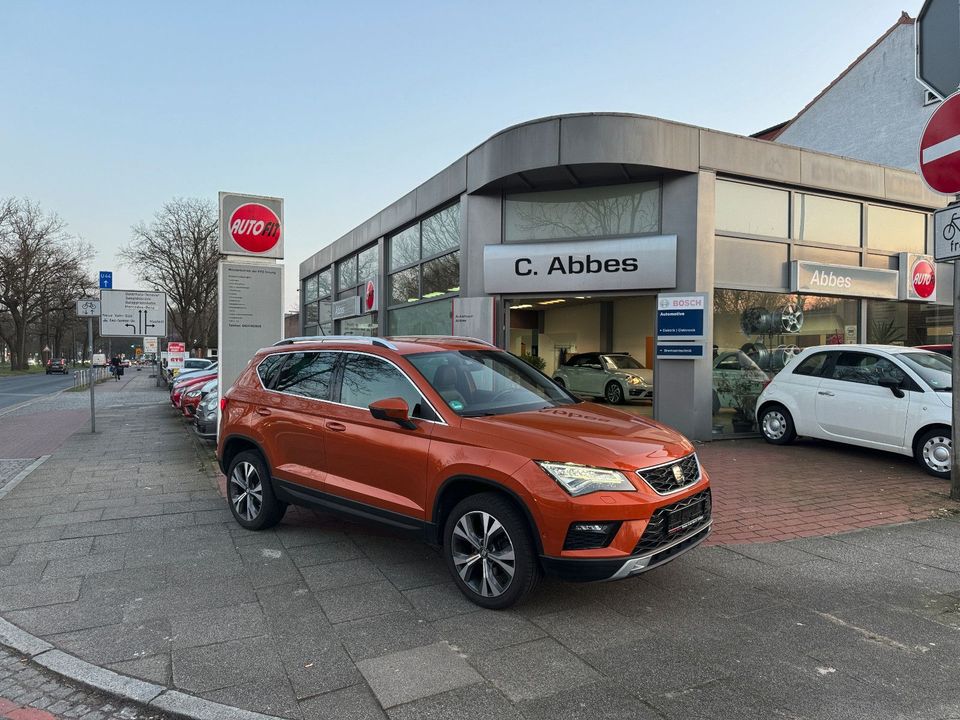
(945, 389)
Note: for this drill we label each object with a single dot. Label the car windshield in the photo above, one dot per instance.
(934, 368)
(622, 362)
(488, 382)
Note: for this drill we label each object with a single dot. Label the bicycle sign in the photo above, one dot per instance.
(88, 307)
(946, 233)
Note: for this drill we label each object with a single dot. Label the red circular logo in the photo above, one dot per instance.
(370, 296)
(255, 227)
(923, 277)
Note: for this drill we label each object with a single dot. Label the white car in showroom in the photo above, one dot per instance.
(616, 377)
(877, 396)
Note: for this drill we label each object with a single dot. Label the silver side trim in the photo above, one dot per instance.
(641, 563)
(360, 339)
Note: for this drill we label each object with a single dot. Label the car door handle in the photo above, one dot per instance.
(825, 392)
(335, 426)
(263, 411)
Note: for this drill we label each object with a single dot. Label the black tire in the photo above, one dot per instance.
(776, 424)
(248, 469)
(932, 452)
(516, 534)
(613, 393)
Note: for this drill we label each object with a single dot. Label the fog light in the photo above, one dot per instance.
(590, 535)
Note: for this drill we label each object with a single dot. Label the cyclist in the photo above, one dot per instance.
(115, 367)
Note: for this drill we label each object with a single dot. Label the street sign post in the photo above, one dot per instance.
(89, 308)
(106, 279)
(938, 46)
(128, 313)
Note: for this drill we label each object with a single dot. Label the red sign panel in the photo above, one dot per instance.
(255, 227)
(923, 278)
(176, 347)
(940, 147)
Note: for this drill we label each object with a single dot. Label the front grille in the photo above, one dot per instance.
(657, 532)
(664, 479)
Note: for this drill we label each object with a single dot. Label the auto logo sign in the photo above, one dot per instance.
(923, 278)
(255, 227)
(370, 296)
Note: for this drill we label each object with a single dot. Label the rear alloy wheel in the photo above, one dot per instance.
(489, 551)
(777, 425)
(613, 393)
(250, 494)
(934, 450)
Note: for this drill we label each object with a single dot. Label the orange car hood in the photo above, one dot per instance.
(590, 434)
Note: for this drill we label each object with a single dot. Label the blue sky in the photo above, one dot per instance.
(112, 108)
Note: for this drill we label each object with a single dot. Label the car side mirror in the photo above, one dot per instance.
(394, 409)
(892, 385)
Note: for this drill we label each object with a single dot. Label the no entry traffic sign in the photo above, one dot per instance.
(940, 148)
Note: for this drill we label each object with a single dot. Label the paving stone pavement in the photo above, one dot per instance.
(120, 550)
(31, 693)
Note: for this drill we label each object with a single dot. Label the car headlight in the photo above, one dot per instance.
(582, 479)
(634, 380)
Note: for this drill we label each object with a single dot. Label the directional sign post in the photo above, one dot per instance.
(128, 313)
(90, 308)
(106, 279)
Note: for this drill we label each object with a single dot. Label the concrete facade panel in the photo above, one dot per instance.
(629, 140)
(826, 172)
(399, 213)
(525, 147)
(904, 186)
(743, 156)
(825, 255)
(443, 186)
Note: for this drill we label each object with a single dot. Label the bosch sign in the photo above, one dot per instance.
(255, 228)
(918, 277)
(251, 225)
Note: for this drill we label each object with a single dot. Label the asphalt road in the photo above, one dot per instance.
(20, 388)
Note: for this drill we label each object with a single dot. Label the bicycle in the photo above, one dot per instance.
(951, 228)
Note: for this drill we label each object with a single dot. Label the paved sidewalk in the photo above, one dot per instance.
(120, 551)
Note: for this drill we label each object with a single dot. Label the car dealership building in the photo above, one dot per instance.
(556, 237)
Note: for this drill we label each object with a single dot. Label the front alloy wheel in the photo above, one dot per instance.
(489, 551)
(613, 393)
(936, 449)
(777, 425)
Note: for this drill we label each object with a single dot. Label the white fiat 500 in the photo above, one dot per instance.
(878, 396)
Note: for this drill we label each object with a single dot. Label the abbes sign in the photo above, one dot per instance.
(848, 280)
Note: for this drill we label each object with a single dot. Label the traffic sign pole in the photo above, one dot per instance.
(93, 406)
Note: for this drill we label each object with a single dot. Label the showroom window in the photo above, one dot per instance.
(756, 334)
(824, 220)
(752, 210)
(425, 267)
(896, 230)
(908, 323)
(316, 292)
(608, 211)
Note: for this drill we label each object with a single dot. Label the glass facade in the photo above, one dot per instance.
(607, 211)
(908, 323)
(752, 209)
(316, 298)
(756, 333)
(425, 266)
(825, 220)
(896, 230)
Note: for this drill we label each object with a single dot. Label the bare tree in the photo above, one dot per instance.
(42, 271)
(177, 253)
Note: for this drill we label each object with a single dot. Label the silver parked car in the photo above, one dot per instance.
(616, 377)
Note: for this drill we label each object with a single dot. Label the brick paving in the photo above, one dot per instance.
(120, 551)
(766, 493)
(31, 693)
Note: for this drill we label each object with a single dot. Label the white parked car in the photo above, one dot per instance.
(876, 396)
(616, 377)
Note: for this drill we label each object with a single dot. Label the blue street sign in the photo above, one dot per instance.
(681, 351)
(680, 323)
(106, 279)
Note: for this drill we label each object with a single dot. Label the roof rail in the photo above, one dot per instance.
(433, 338)
(364, 339)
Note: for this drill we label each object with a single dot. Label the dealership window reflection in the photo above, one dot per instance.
(756, 334)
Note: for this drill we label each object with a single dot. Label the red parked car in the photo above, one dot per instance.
(181, 387)
(944, 349)
(194, 395)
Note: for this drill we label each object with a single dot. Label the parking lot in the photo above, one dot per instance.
(125, 555)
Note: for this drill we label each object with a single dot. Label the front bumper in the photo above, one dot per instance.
(205, 430)
(597, 569)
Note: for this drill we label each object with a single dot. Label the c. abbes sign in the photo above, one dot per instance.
(251, 225)
(255, 228)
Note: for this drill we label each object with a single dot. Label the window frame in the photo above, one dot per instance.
(417, 264)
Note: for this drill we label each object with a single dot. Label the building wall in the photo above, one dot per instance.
(874, 113)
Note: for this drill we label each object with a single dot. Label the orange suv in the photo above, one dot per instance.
(468, 446)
